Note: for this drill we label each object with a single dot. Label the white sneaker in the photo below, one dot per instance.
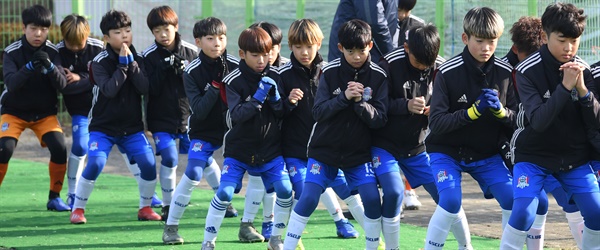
(410, 200)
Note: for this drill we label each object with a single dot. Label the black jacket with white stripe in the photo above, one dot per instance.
(552, 121)
(78, 95)
(168, 108)
(404, 134)
(207, 121)
(457, 85)
(254, 135)
(30, 95)
(342, 135)
(118, 90)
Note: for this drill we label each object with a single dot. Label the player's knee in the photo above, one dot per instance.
(7, 147)
(225, 192)
(283, 189)
(79, 148)
(146, 163)
(342, 191)
(169, 157)
(94, 167)
(56, 145)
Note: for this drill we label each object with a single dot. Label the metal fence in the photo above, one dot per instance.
(238, 14)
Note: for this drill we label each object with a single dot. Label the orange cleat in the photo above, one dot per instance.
(146, 213)
(77, 216)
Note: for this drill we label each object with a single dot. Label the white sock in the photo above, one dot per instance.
(391, 232)
(439, 226)
(294, 230)
(74, 170)
(356, 208)
(372, 232)
(575, 221)
(505, 217)
(460, 230)
(167, 183)
(212, 174)
(146, 192)
(181, 198)
(214, 218)
(590, 239)
(254, 196)
(268, 206)
(329, 199)
(535, 235)
(512, 239)
(82, 194)
(281, 215)
(133, 168)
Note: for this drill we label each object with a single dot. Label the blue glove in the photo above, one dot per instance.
(273, 93)
(263, 90)
(496, 106)
(126, 60)
(483, 102)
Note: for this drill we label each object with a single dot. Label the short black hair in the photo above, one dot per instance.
(565, 18)
(355, 33)
(161, 15)
(209, 26)
(272, 29)
(424, 43)
(406, 4)
(114, 19)
(37, 15)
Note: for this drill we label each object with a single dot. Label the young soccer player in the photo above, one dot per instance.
(556, 92)
(406, 21)
(116, 115)
(351, 100)
(76, 50)
(203, 82)
(471, 105)
(254, 101)
(410, 71)
(167, 105)
(29, 100)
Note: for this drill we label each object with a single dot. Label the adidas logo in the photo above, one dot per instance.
(463, 98)
(547, 94)
(280, 225)
(406, 85)
(337, 91)
(211, 230)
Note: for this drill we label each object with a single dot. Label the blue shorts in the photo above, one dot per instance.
(297, 170)
(134, 144)
(271, 172)
(324, 175)
(416, 168)
(551, 183)
(487, 172)
(529, 180)
(201, 150)
(164, 140)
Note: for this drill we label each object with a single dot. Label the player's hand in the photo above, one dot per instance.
(572, 74)
(295, 96)
(426, 111)
(71, 77)
(41, 61)
(417, 105)
(262, 92)
(354, 91)
(125, 55)
(483, 102)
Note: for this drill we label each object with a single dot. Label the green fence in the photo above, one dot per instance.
(238, 14)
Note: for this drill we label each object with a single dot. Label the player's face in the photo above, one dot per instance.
(116, 38)
(305, 53)
(356, 57)
(75, 47)
(481, 49)
(274, 53)
(413, 60)
(256, 61)
(403, 14)
(212, 46)
(562, 48)
(165, 35)
(35, 35)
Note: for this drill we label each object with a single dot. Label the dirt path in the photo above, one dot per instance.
(484, 215)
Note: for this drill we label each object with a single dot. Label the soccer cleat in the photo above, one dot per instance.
(156, 202)
(71, 200)
(300, 246)
(146, 213)
(249, 234)
(345, 229)
(164, 212)
(275, 243)
(267, 229)
(77, 216)
(231, 212)
(410, 200)
(170, 235)
(57, 204)
(209, 245)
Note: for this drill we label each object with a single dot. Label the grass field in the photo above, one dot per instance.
(112, 221)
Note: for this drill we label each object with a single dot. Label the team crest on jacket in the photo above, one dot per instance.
(367, 94)
(337, 91)
(93, 146)
(156, 140)
(442, 175)
(376, 161)
(315, 168)
(225, 170)
(293, 171)
(197, 147)
(75, 128)
(4, 126)
(523, 182)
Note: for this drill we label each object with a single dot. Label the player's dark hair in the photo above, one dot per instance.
(255, 40)
(565, 18)
(271, 29)
(210, 26)
(114, 19)
(424, 43)
(406, 4)
(355, 34)
(37, 15)
(527, 34)
(162, 15)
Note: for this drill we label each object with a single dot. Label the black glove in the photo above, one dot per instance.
(41, 59)
(174, 63)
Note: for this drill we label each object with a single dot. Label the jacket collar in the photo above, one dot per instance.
(315, 67)
(177, 44)
(250, 74)
(30, 49)
(478, 74)
(349, 70)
